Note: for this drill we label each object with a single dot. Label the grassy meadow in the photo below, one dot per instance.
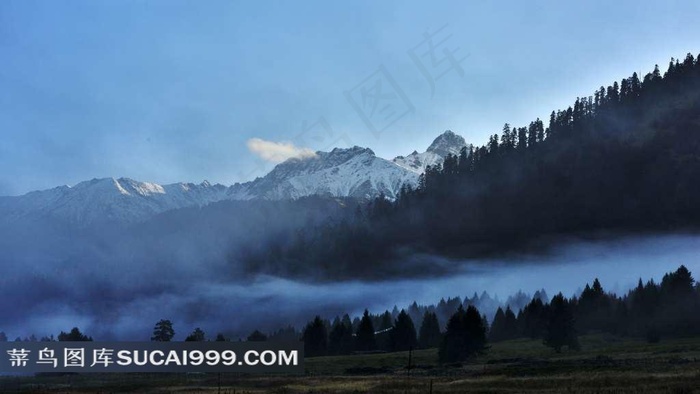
(605, 364)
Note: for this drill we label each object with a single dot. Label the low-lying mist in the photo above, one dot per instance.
(120, 293)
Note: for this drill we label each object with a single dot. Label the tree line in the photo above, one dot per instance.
(668, 309)
(626, 158)
(73, 335)
(653, 311)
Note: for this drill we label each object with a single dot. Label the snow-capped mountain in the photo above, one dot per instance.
(445, 144)
(108, 200)
(355, 172)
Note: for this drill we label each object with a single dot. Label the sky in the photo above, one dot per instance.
(170, 91)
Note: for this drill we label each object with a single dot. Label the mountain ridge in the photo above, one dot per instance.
(446, 143)
(343, 172)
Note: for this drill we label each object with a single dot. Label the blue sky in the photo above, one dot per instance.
(168, 91)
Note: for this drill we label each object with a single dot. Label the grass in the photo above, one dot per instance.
(605, 364)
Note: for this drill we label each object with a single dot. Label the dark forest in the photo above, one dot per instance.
(624, 160)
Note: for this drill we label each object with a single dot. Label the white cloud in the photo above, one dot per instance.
(277, 152)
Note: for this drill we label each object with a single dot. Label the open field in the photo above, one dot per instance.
(605, 364)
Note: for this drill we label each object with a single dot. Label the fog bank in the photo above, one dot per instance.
(124, 303)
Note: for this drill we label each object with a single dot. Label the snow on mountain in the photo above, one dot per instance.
(354, 172)
(445, 144)
(107, 200)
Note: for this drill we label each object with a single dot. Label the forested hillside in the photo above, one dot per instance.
(626, 159)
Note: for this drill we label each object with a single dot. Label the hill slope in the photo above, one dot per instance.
(626, 159)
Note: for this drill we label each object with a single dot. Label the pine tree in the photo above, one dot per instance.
(540, 130)
(315, 338)
(594, 308)
(522, 138)
(498, 325)
(552, 128)
(385, 321)
(464, 337)
(257, 336)
(678, 283)
(163, 331)
(511, 324)
(196, 336)
(74, 336)
(679, 310)
(615, 92)
(365, 340)
(403, 336)
(347, 322)
(532, 134)
(429, 336)
(493, 144)
(507, 140)
(560, 328)
(382, 323)
(464, 161)
(625, 89)
(340, 339)
(635, 85)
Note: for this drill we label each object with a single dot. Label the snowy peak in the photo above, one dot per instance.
(123, 186)
(108, 200)
(348, 153)
(353, 172)
(130, 187)
(322, 160)
(445, 144)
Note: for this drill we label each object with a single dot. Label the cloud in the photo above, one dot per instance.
(277, 152)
